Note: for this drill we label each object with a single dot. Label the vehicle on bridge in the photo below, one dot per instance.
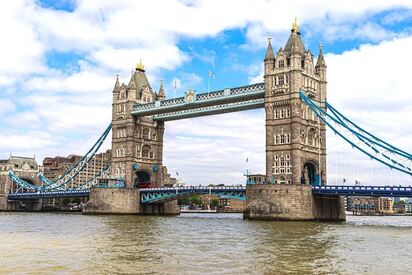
(146, 184)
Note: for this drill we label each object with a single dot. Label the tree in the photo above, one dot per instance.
(214, 203)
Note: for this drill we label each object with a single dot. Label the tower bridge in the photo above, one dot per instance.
(293, 96)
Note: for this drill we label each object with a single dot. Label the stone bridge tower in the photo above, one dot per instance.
(137, 142)
(295, 138)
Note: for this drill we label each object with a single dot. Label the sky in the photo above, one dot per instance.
(59, 60)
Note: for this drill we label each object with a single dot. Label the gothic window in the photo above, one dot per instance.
(282, 113)
(281, 63)
(282, 161)
(276, 114)
(277, 139)
(145, 151)
(146, 133)
(287, 112)
(282, 139)
(281, 80)
(151, 155)
(286, 79)
(122, 94)
(311, 137)
(287, 138)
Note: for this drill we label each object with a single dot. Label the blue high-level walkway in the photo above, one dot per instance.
(194, 105)
(163, 194)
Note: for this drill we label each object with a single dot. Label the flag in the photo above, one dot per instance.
(175, 85)
(212, 74)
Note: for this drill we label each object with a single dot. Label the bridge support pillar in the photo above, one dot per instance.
(26, 205)
(290, 203)
(113, 201)
(167, 208)
(125, 201)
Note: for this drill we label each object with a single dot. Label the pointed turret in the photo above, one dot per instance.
(269, 52)
(132, 84)
(269, 58)
(161, 95)
(294, 43)
(320, 67)
(116, 87)
(321, 60)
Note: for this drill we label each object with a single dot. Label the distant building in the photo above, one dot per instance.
(408, 207)
(361, 205)
(370, 205)
(231, 205)
(385, 205)
(56, 167)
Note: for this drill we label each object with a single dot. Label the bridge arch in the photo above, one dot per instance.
(143, 177)
(310, 173)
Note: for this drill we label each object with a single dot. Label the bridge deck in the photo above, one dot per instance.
(155, 195)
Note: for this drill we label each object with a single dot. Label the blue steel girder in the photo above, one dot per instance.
(221, 101)
(161, 195)
(48, 195)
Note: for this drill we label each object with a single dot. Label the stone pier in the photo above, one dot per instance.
(26, 205)
(291, 203)
(125, 201)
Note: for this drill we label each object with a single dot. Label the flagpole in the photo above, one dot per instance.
(208, 84)
(174, 92)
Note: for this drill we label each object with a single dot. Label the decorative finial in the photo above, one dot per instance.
(295, 25)
(320, 46)
(140, 66)
(269, 37)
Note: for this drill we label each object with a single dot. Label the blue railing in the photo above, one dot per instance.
(374, 191)
(163, 194)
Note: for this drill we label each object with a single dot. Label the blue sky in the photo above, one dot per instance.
(59, 63)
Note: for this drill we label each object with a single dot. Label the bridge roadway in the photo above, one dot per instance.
(155, 195)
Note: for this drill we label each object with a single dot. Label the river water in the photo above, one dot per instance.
(50, 243)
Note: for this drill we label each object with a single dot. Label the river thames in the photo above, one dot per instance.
(50, 243)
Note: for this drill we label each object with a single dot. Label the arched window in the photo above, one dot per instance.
(146, 133)
(145, 151)
(281, 80)
(311, 137)
(282, 139)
